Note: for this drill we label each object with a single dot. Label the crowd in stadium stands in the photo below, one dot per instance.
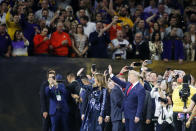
(117, 29)
(126, 101)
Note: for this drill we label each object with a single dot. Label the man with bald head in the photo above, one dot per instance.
(120, 45)
(140, 47)
(133, 100)
(60, 41)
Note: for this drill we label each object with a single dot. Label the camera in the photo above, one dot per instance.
(119, 21)
(164, 100)
(137, 64)
(184, 93)
(129, 68)
(122, 45)
(107, 71)
(176, 76)
(53, 77)
(156, 89)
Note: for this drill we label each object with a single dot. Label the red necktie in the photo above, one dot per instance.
(129, 89)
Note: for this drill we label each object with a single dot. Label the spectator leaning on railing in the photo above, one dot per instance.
(60, 41)
(80, 44)
(20, 44)
(42, 42)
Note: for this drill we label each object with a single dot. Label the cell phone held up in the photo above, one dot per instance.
(93, 67)
(149, 62)
(129, 68)
(164, 100)
(137, 64)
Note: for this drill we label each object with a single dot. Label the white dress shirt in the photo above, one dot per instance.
(89, 28)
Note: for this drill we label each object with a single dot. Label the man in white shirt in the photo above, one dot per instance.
(44, 5)
(63, 3)
(120, 46)
(89, 27)
(4, 8)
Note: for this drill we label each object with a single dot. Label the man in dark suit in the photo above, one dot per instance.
(140, 48)
(107, 124)
(133, 100)
(99, 42)
(58, 106)
(116, 99)
(44, 102)
(147, 113)
(74, 89)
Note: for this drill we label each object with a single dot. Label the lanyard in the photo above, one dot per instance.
(151, 85)
(57, 92)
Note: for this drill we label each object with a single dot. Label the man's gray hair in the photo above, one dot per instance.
(139, 33)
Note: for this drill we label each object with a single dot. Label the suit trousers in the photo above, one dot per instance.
(178, 123)
(46, 124)
(130, 125)
(164, 128)
(117, 125)
(59, 121)
(107, 126)
(147, 127)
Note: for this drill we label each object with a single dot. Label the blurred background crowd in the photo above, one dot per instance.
(117, 29)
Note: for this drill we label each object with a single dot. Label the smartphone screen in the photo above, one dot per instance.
(137, 64)
(93, 67)
(149, 61)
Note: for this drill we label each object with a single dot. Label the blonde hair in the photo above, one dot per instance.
(100, 81)
(135, 73)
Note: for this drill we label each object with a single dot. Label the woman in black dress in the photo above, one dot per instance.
(94, 104)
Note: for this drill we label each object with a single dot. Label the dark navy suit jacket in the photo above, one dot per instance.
(98, 48)
(53, 100)
(116, 99)
(133, 103)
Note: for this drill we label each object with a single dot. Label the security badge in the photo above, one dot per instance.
(58, 97)
(137, 53)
